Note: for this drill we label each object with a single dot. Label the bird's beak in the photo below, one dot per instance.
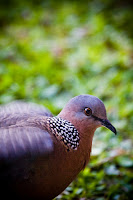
(108, 125)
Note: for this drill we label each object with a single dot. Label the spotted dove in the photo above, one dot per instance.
(40, 155)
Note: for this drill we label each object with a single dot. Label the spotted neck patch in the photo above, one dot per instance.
(65, 132)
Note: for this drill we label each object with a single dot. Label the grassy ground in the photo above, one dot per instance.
(51, 51)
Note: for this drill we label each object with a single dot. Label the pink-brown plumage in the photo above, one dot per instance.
(40, 155)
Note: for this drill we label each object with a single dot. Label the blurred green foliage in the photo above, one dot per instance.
(51, 51)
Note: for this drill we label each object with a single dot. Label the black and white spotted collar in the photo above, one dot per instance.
(65, 132)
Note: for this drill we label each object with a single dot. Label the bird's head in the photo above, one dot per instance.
(86, 113)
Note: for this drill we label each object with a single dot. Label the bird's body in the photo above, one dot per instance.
(40, 155)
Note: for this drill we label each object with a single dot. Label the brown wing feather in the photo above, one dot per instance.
(17, 142)
(21, 107)
(18, 110)
(22, 139)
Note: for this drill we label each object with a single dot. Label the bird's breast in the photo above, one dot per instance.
(47, 177)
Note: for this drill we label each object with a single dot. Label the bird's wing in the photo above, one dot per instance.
(21, 107)
(23, 142)
(16, 111)
(18, 138)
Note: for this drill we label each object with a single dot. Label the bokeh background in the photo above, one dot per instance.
(51, 51)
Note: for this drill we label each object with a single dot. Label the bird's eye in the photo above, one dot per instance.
(88, 111)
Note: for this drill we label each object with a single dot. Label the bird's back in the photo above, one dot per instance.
(19, 110)
(22, 140)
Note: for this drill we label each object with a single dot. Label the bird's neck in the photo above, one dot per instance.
(86, 133)
(73, 137)
(64, 131)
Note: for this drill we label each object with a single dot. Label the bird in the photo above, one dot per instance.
(41, 154)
